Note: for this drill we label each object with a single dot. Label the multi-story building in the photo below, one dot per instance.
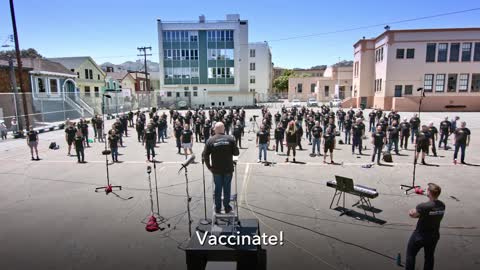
(205, 63)
(260, 70)
(389, 69)
(336, 82)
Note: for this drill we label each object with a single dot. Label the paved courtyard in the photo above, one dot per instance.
(51, 218)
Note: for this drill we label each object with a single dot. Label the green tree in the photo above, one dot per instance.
(281, 83)
(28, 53)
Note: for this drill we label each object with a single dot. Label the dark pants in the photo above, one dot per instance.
(85, 140)
(393, 142)
(462, 148)
(377, 150)
(443, 139)
(402, 139)
(125, 130)
(80, 154)
(347, 136)
(179, 144)
(299, 142)
(130, 121)
(198, 136)
(340, 125)
(206, 135)
(140, 135)
(371, 125)
(414, 134)
(238, 141)
(416, 242)
(357, 140)
(150, 146)
(222, 183)
(277, 143)
(114, 153)
(434, 149)
(161, 132)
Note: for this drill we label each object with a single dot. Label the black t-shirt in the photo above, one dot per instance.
(291, 137)
(372, 116)
(415, 122)
(178, 132)
(140, 125)
(393, 132)
(187, 136)
(277, 117)
(396, 117)
(285, 123)
(162, 123)
(70, 132)
(221, 149)
(262, 137)
(423, 138)
(316, 131)
(206, 129)
(237, 130)
(358, 129)
(433, 131)
(431, 214)
(378, 138)
(78, 142)
(405, 128)
(279, 133)
(32, 136)
(445, 126)
(99, 123)
(150, 135)
(113, 140)
(461, 135)
(329, 138)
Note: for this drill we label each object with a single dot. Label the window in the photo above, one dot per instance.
(252, 90)
(186, 94)
(185, 88)
(454, 52)
(195, 88)
(326, 90)
(91, 74)
(381, 54)
(440, 83)
(400, 53)
(53, 86)
(41, 85)
(252, 52)
(408, 89)
(463, 82)
(230, 98)
(78, 75)
(96, 90)
(476, 52)
(178, 94)
(195, 93)
(410, 53)
(355, 70)
(378, 85)
(252, 66)
(428, 83)
(299, 88)
(431, 47)
(169, 94)
(252, 79)
(312, 87)
(452, 83)
(475, 83)
(398, 90)
(466, 52)
(87, 90)
(98, 77)
(442, 52)
(86, 74)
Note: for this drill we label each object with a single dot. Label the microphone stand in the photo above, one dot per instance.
(204, 221)
(188, 203)
(156, 190)
(413, 186)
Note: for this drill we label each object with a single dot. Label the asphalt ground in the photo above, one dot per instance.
(51, 218)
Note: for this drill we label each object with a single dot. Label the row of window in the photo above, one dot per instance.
(180, 54)
(220, 35)
(42, 88)
(252, 52)
(88, 74)
(220, 72)
(220, 54)
(96, 90)
(451, 82)
(440, 52)
(185, 94)
(181, 72)
(378, 85)
(379, 54)
(312, 88)
(184, 36)
(401, 53)
(252, 66)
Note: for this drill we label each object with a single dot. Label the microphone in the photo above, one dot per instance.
(189, 161)
(149, 169)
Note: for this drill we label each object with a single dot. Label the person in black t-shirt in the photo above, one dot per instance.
(70, 132)
(317, 137)
(462, 140)
(433, 134)
(32, 141)
(186, 139)
(83, 126)
(414, 124)
(149, 139)
(291, 139)
(206, 130)
(140, 127)
(113, 139)
(279, 134)
(299, 134)
(358, 131)
(445, 127)
(422, 143)
(79, 146)
(198, 130)
(379, 139)
(328, 144)
(371, 123)
(348, 129)
(404, 133)
(263, 139)
(161, 127)
(237, 133)
(393, 133)
(99, 127)
(427, 232)
(177, 133)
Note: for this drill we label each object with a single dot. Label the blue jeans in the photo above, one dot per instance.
(357, 141)
(347, 136)
(150, 146)
(414, 134)
(262, 147)
(222, 183)
(161, 134)
(462, 148)
(393, 142)
(316, 142)
(165, 132)
(114, 153)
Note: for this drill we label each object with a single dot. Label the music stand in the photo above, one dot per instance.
(413, 186)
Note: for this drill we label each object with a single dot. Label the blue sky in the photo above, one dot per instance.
(111, 30)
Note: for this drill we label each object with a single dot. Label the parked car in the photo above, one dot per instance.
(312, 102)
(182, 104)
(336, 102)
(296, 103)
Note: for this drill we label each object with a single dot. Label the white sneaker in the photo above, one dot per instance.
(276, 153)
(258, 161)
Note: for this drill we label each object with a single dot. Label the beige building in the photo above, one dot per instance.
(260, 70)
(322, 88)
(390, 68)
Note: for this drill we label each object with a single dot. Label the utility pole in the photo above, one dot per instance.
(19, 66)
(143, 51)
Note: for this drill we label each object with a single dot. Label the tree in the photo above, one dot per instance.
(28, 53)
(281, 83)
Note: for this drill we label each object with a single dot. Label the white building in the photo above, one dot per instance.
(204, 63)
(260, 70)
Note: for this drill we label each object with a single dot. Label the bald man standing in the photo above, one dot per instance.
(218, 156)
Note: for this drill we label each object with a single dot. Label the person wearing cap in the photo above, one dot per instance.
(427, 231)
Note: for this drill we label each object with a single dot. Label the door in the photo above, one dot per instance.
(398, 91)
